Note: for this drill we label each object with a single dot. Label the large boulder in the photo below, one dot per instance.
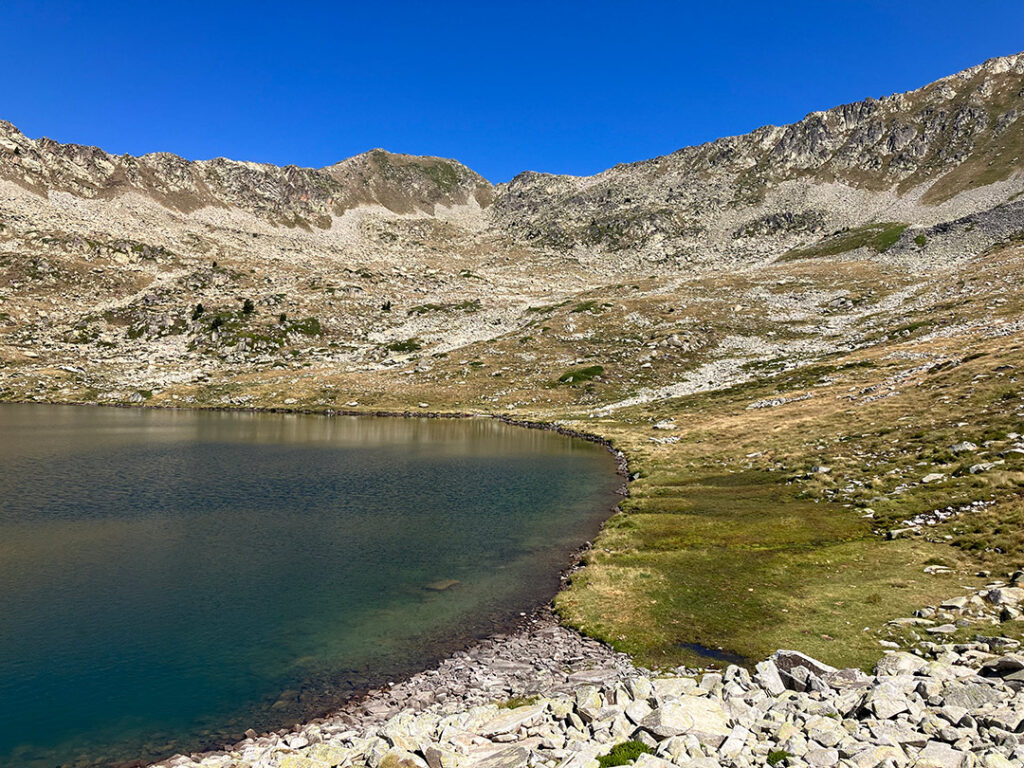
(699, 715)
(798, 671)
(511, 757)
(511, 720)
(766, 675)
(937, 754)
(900, 663)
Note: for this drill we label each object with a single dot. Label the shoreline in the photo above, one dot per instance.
(540, 657)
(536, 639)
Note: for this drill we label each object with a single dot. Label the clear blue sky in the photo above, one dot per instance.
(563, 87)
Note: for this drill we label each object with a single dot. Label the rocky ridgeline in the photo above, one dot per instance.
(286, 195)
(741, 197)
(546, 698)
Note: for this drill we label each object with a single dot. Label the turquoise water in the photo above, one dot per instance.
(169, 579)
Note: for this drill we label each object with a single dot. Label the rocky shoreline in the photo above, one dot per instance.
(540, 657)
(546, 697)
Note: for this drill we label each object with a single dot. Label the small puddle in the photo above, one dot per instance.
(716, 653)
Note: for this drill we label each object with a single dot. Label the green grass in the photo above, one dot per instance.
(777, 756)
(589, 306)
(877, 237)
(623, 754)
(462, 306)
(442, 174)
(581, 375)
(308, 327)
(729, 539)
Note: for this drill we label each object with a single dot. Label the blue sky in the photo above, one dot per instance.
(504, 87)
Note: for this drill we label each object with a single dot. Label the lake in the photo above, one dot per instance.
(169, 579)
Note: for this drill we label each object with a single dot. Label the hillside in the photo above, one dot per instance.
(787, 332)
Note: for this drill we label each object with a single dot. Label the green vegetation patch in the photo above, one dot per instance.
(443, 175)
(878, 237)
(462, 306)
(580, 375)
(623, 754)
(590, 306)
(404, 345)
(308, 327)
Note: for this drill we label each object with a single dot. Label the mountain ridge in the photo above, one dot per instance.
(825, 144)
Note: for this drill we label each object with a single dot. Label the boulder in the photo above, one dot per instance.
(886, 701)
(1010, 596)
(650, 761)
(900, 663)
(1003, 666)
(937, 754)
(766, 674)
(700, 716)
(511, 720)
(788, 664)
(589, 702)
(968, 695)
(821, 758)
(301, 761)
(438, 757)
(400, 758)
(332, 754)
(514, 757)
(672, 687)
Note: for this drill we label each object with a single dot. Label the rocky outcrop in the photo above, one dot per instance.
(924, 147)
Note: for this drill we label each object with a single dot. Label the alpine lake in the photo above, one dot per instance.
(169, 579)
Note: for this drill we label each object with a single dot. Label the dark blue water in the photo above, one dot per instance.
(169, 579)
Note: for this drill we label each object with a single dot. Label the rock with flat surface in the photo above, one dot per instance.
(937, 754)
(688, 714)
(511, 720)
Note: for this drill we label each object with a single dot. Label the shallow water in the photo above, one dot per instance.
(169, 579)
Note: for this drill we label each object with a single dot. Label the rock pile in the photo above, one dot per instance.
(996, 602)
(960, 706)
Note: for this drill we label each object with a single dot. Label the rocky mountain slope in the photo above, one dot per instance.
(110, 255)
(807, 341)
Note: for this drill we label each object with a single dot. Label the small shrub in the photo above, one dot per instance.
(409, 345)
(623, 754)
(248, 307)
(198, 311)
(920, 240)
(776, 756)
